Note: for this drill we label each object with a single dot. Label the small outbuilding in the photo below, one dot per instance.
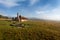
(21, 18)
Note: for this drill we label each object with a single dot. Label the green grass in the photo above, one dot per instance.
(33, 30)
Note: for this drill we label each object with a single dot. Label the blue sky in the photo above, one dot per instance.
(43, 9)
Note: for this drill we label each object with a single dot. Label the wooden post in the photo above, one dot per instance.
(18, 17)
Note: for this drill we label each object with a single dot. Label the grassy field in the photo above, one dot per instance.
(33, 30)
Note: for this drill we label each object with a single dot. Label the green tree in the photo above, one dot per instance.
(0, 16)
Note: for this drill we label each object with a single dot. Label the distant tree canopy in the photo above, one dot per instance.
(1, 16)
(14, 19)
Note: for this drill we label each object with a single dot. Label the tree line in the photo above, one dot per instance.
(1, 16)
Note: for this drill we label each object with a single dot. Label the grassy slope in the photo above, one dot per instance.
(38, 30)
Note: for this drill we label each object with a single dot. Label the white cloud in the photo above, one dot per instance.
(7, 14)
(53, 14)
(44, 9)
(41, 12)
(10, 3)
(47, 12)
(3, 13)
(32, 2)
